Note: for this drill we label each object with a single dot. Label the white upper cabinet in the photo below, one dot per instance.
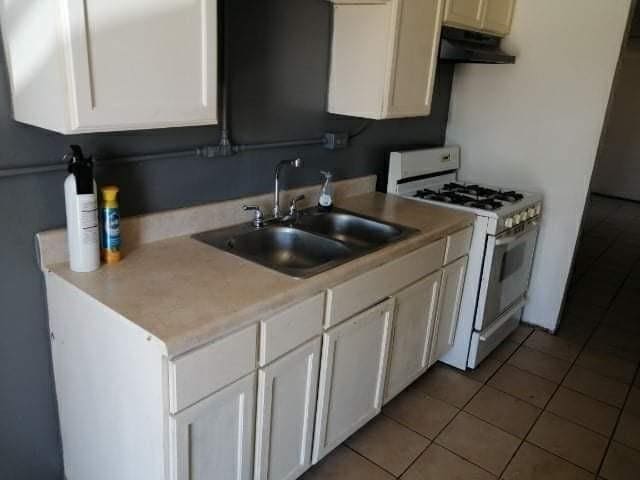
(498, 16)
(384, 57)
(96, 65)
(491, 16)
(464, 13)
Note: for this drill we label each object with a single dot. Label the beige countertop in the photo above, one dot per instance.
(186, 293)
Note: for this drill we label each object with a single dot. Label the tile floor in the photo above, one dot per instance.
(541, 406)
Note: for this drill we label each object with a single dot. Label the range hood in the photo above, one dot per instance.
(462, 46)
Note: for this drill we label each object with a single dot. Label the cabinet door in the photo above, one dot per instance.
(214, 438)
(142, 64)
(287, 394)
(464, 13)
(498, 16)
(416, 57)
(444, 333)
(354, 359)
(413, 323)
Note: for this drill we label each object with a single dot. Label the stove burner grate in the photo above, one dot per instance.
(475, 196)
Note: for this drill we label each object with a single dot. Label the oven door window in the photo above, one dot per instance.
(506, 273)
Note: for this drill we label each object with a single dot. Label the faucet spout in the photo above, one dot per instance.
(297, 163)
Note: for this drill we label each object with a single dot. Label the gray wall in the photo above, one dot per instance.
(279, 83)
(617, 171)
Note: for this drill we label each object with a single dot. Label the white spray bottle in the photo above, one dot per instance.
(81, 205)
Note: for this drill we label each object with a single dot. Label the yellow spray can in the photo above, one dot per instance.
(110, 213)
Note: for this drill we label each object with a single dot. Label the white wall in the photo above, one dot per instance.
(618, 166)
(536, 124)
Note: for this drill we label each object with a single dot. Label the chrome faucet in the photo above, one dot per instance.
(297, 163)
(258, 216)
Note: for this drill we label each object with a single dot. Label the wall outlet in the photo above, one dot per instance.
(336, 140)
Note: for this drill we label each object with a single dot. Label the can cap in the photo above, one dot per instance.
(109, 193)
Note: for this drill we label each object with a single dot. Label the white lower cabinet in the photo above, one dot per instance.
(354, 359)
(413, 323)
(213, 439)
(287, 394)
(448, 308)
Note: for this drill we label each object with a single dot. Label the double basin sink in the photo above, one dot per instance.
(308, 243)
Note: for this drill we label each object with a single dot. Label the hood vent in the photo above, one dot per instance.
(462, 46)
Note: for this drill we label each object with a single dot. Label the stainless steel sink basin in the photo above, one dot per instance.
(289, 250)
(311, 243)
(351, 229)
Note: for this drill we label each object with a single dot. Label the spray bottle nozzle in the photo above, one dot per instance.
(81, 168)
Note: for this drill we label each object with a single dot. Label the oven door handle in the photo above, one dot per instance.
(514, 238)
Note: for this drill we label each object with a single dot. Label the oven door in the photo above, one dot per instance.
(506, 272)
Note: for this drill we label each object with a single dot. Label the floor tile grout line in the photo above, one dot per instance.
(460, 409)
(557, 357)
(470, 400)
(408, 427)
(416, 459)
(544, 409)
(573, 363)
(598, 325)
(541, 410)
(466, 459)
(374, 462)
(582, 394)
(550, 453)
(498, 427)
(582, 348)
(611, 438)
(589, 396)
(529, 373)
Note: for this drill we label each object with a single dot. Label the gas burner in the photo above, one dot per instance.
(511, 196)
(457, 194)
(486, 204)
(480, 191)
(425, 193)
(455, 187)
(460, 199)
(475, 190)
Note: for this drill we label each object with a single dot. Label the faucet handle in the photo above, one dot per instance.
(292, 204)
(258, 219)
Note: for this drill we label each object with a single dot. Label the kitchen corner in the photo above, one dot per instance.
(316, 239)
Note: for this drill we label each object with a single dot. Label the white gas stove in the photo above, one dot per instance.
(502, 248)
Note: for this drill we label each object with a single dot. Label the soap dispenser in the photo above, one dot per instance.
(325, 201)
(81, 208)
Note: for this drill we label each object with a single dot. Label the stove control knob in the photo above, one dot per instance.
(538, 209)
(532, 212)
(508, 223)
(524, 215)
(516, 219)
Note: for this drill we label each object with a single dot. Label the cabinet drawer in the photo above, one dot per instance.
(458, 245)
(291, 328)
(199, 373)
(353, 296)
